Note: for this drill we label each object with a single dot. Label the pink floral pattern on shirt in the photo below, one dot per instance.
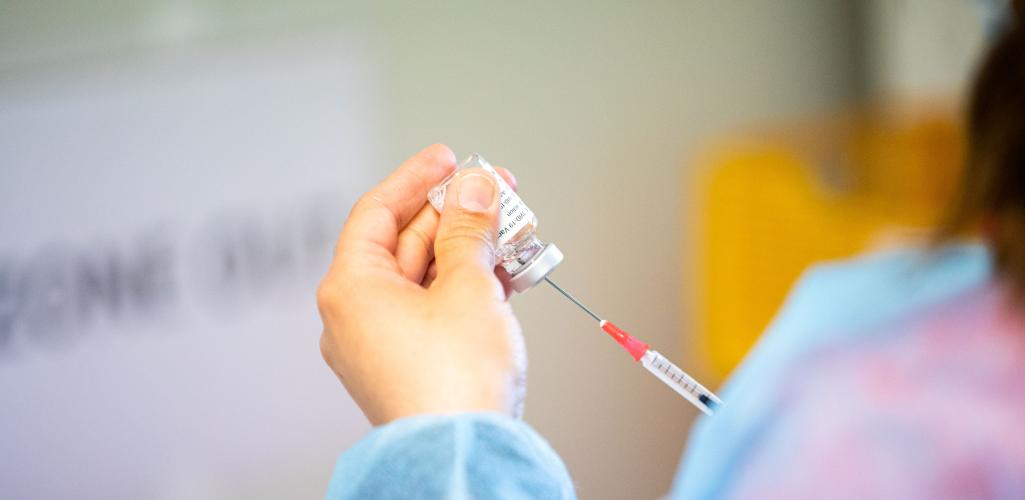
(932, 407)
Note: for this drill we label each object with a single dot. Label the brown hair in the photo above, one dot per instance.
(993, 189)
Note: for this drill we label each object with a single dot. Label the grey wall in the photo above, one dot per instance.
(597, 108)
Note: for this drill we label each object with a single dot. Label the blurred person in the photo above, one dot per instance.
(898, 374)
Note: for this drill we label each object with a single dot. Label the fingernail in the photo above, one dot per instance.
(476, 192)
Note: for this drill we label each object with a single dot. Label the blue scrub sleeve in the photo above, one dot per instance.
(470, 455)
(831, 304)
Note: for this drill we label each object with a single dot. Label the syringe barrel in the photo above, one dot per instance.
(680, 382)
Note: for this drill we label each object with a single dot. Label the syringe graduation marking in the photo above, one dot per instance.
(680, 382)
(676, 375)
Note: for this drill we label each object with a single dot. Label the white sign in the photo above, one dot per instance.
(164, 223)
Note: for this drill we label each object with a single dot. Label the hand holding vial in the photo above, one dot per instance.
(415, 319)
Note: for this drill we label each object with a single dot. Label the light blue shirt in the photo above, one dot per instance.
(484, 455)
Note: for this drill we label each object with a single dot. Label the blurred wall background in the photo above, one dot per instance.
(211, 148)
(765, 202)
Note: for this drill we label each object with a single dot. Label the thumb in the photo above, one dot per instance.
(467, 231)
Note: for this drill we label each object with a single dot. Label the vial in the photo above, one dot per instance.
(527, 259)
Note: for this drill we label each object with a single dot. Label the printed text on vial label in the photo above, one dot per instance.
(513, 213)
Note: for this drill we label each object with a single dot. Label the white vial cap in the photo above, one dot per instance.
(541, 265)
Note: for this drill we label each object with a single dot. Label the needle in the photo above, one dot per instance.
(573, 300)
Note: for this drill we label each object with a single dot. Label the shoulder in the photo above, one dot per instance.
(831, 304)
(928, 406)
(875, 288)
(913, 389)
(836, 301)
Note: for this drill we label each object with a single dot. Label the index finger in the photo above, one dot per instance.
(383, 211)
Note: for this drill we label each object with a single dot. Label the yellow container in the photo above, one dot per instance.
(764, 208)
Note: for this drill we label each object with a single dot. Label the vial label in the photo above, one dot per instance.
(513, 213)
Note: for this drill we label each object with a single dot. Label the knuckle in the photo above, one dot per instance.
(375, 199)
(360, 204)
(419, 235)
(325, 347)
(466, 230)
(328, 297)
(440, 152)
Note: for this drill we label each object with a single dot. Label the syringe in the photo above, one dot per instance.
(528, 260)
(656, 363)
